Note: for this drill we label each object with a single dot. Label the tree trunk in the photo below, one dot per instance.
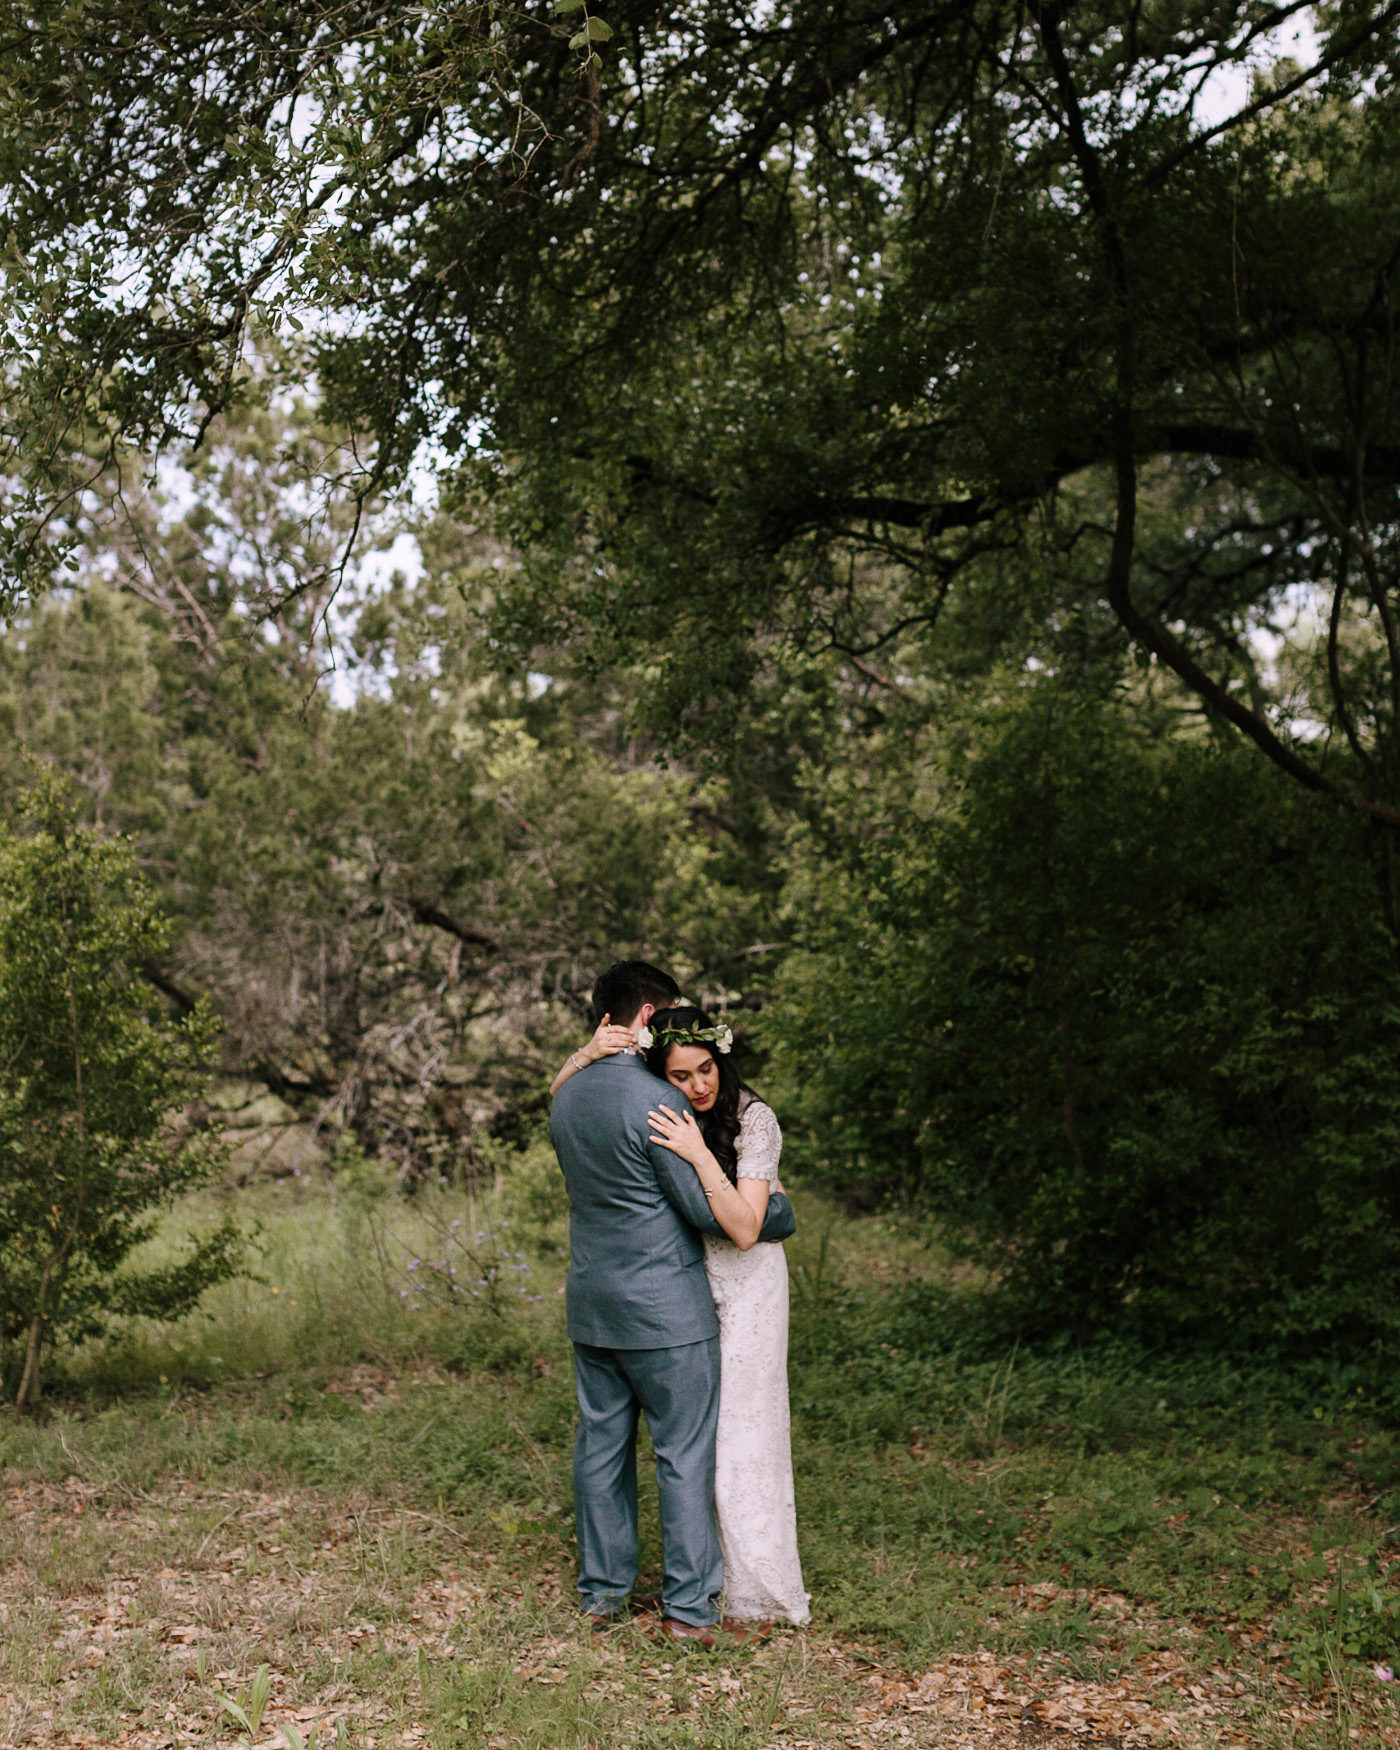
(29, 1380)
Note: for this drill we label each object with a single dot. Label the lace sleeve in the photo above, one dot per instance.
(759, 1143)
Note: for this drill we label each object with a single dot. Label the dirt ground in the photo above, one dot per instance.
(127, 1617)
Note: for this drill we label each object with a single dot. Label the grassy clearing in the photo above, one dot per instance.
(363, 1485)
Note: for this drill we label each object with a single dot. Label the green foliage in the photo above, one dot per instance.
(1123, 1014)
(91, 1141)
(248, 1710)
(396, 898)
(156, 310)
(797, 429)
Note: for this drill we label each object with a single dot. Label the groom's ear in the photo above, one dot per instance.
(644, 1015)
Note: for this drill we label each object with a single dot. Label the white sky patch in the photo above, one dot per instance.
(370, 576)
(1298, 621)
(1229, 89)
(375, 571)
(176, 490)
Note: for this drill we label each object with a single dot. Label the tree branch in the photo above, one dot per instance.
(1146, 630)
(166, 985)
(1267, 99)
(438, 919)
(1200, 438)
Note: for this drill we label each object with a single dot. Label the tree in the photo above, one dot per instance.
(853, 313)
(92, 1145)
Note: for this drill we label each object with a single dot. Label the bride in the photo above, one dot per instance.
(735, 1143)
(738, 1136)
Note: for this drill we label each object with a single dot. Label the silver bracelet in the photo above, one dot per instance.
(573, 1059)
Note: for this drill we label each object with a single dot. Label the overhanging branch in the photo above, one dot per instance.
(1125, 447)
(1228, 443)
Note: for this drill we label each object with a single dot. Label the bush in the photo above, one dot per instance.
(1124, 1015)
(90, 1141)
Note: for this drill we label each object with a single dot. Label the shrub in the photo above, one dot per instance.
(1124, 1014)
(91, 1145)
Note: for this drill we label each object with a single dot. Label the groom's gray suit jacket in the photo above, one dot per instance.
(637, 1275)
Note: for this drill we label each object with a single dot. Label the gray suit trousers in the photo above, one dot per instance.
(677, 1390)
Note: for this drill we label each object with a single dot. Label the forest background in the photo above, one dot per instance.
(894, 515)
(888, 511)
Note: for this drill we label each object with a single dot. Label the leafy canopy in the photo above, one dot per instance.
(789, 330)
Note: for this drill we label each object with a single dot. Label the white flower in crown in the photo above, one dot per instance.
(646, 1039)
(724, 1039)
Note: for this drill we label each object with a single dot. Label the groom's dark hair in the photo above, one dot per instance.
(625, 987)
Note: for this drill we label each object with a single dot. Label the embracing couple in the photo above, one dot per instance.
(678, 1311)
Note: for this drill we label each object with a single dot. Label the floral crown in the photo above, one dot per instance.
(720, 1037)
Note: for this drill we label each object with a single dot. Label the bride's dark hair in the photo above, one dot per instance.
(720, 1125)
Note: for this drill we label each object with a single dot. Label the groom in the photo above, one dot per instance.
(645, 1335)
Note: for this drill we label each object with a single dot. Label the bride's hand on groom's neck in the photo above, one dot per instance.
(608, 1040)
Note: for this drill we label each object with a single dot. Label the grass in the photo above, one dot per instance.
(362, 1484)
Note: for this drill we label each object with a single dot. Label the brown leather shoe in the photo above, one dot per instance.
(742, 1628)
(671, 1630)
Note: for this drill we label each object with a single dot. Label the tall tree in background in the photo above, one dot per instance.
(394, 872)
(1114, 1004)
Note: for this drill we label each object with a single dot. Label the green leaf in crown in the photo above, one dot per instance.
(720, 1037)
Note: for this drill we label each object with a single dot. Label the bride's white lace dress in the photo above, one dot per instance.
(754, 1499)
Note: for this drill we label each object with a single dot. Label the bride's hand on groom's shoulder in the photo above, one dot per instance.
(678, 1132)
